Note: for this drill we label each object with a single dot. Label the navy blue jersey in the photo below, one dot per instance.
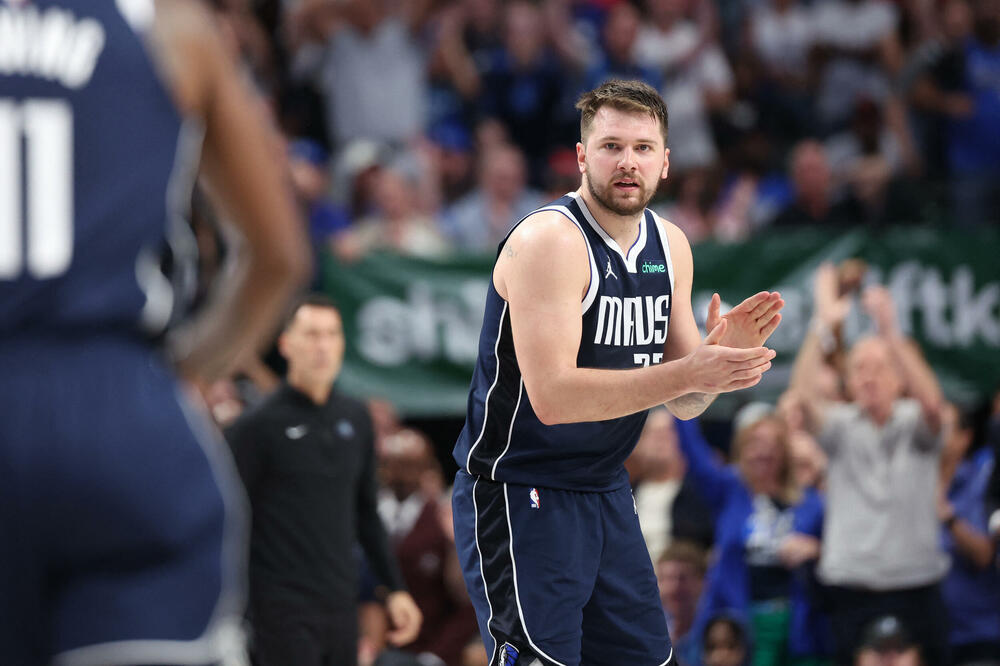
(626, 311)
(90, 182)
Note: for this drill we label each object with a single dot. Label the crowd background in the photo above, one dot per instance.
(428, 127)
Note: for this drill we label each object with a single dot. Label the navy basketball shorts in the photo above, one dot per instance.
(123, 525)
(558, 576)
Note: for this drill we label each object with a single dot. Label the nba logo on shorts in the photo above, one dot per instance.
(508, 654)
(536, 501)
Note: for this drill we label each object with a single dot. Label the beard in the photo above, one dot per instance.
(605, 194)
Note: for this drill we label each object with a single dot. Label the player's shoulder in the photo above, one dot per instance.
(547, 230)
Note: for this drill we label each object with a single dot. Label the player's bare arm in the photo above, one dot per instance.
(543, 273)
(242, 177)
(748, 325)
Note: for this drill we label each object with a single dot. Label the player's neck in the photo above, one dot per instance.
(624, 229)
(318, 392)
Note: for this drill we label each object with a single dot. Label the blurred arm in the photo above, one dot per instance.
(242, 175)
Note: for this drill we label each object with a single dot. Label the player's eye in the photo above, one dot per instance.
(610, 146)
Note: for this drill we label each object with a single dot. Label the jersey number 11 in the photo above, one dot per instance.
(46, 195)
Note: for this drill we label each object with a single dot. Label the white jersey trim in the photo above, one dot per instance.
(510, 432)
(482, 573)
(631, 256)
(591, 295)
(661, 228)
(486, 402)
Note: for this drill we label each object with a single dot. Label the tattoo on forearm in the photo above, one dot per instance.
(690, 405)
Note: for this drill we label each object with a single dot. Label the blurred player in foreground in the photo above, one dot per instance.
(123, 524)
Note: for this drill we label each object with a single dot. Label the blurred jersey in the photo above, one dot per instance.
(95, 169)
(121, 518)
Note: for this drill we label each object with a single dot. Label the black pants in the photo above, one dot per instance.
(290, 635)
(921, 609)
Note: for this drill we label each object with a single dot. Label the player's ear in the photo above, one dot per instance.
(666, 163)
(282, 345)
(581, 157)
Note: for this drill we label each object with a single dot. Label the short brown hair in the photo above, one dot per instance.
(686, 552)
(624, 95)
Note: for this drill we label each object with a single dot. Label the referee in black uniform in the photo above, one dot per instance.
(307, 459)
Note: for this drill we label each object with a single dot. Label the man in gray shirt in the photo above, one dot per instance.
(881, 550)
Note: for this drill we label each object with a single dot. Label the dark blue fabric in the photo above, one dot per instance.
(117, 513)
(972, 595)
(122, 158)
(561, 575)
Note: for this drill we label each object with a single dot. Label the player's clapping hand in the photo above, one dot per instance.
(750, 323)
(404, 616)
(715, 368)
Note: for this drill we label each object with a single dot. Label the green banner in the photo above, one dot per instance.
(412, 326)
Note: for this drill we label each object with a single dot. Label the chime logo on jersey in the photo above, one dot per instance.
(536, 501)
(638, 320)
(508, 653)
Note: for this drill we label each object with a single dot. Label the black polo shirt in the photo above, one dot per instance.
(309, 471)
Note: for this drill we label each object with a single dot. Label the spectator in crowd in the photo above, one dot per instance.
(617, 60)
(725, 642)
(308, 164)
(691, 208)
(680, 574)
(974, 143)
(424, 548)
(881, 549)
(856, 51)
(453, 157)
(933, 80)
(397, 223)
(779, 39)
(766, 529)
(753, 192)
(480, 220)
(668, 504)
(867, 163)
(307, 459)
(807, 457)
(814, 203)
(886, 642)
(369, 59)
(523, 83)
(972, 587)
(698, 81)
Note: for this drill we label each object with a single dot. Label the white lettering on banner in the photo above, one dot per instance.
(425, 327)
(949, 311)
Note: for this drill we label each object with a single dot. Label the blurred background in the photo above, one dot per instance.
(865, 133)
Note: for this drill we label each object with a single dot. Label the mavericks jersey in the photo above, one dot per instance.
(626, 311)
(91, 187)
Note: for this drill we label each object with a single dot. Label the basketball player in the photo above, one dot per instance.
(575, 348)
(122, 531)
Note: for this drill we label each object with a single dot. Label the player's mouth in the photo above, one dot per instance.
(626, 185)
